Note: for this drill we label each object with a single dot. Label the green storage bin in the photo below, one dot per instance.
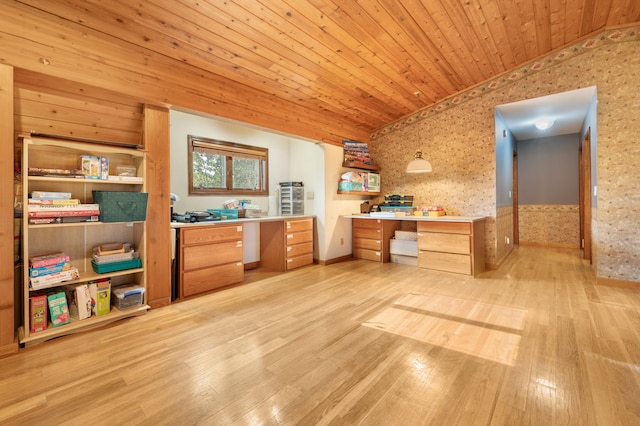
(228, 213)
(103, 268)
(121, 206)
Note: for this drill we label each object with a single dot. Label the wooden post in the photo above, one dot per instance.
(8, 341)
(156, 143)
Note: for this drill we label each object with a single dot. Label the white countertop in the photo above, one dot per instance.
(419, 218)
(238, 221)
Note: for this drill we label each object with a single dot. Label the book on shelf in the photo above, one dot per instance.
(58, 219)
(51, 195)
(49, 172)
(54, 202)
(45, 281)
(63, 213)
(47, 270)
(356, 151)
(48, 259)
(58, 309)
(62, 208)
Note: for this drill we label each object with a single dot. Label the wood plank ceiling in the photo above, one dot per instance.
(365, 62)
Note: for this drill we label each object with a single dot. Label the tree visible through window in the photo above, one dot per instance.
(219, 167)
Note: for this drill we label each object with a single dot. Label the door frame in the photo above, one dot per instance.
(585, 197)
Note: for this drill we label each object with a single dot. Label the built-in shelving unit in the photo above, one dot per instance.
(360, 166)
(77, 240)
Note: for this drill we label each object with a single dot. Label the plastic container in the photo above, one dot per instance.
(127, 296)
(224, 213)
(126, 171)
(103, 268)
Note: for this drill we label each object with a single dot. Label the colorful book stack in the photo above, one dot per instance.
(356, 151)
(58, 207)
(50, 269)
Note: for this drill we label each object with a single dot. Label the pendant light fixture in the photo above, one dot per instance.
(419, 164)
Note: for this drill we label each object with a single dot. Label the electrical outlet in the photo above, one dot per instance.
(341, 241)
(506, 240)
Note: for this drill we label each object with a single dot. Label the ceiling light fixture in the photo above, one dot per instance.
(419, 164)
(544, 124)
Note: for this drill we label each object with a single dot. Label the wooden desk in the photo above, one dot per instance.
(210, 254)
(445, 243)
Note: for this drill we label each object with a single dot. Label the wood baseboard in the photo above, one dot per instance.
(541, 244)
(610, 282)
(252, 265)
(335, 260)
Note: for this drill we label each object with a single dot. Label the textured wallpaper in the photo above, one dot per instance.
(457, 137)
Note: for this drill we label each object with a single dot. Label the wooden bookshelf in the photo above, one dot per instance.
(359, 165)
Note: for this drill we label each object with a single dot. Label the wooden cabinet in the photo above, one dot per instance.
(371, 238)
(286, 244)
(452, 246)
(210, 257)
(44, 165)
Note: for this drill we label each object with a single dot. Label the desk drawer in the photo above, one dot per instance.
(371, 234)
(367, 223)
(211, 234)
(447, 262)
(298, 225)
(299, 237)
(375, 255)
(445, 227)
(298, 261)
(365, 243)
(300, 249)
(203, 256)
(448, 243)
(202, 280)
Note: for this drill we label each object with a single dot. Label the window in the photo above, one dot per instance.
(219, 167)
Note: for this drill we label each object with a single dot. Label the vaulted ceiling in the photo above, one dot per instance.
(363, 62)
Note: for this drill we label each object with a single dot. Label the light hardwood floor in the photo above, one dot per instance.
(536, 343)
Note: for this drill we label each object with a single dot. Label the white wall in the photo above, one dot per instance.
(183, 124)
(290, 159)
(337, 230)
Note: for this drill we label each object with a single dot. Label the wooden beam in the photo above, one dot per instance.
(156, 142)
(8, 342)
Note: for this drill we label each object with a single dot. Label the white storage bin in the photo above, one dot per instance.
(406, 235)
(403, 247)
(404, 260)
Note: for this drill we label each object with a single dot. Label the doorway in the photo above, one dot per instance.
(567, 113)
(585, 196)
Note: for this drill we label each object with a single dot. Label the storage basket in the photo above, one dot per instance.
(127, 296)
(121, 206)
(119, 257)
(224, 213)
(398, 200)
(103, 268)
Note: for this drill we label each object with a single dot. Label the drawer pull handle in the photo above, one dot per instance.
(289, 235)
(289, 248)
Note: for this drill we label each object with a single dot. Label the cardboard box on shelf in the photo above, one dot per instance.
(38, 310)
(79, 301)
(58, 309)
(100, 292)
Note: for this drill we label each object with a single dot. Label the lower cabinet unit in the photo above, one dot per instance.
(286, 244)
(452, 246)
(210, 257)
(371, 238)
